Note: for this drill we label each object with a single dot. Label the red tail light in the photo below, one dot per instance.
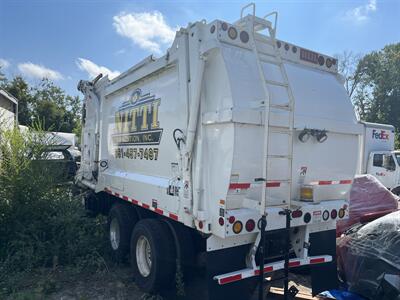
(250, 225)
(297, 214)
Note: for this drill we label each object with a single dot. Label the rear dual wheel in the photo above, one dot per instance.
(153, 255)
(121, 220)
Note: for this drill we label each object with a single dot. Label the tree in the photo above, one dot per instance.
(57, 111)
(347, 66)
(373, 83)
(46, 103)
(2, 78)
(380, 74)
(21, 90)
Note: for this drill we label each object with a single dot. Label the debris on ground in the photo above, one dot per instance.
(366, 253)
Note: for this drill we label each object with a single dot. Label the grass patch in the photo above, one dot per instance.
(42, 224)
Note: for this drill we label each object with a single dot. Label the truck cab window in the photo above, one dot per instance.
(397, 154)
(378, 160)
(391, 164)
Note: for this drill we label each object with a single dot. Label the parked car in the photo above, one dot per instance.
(63, 160)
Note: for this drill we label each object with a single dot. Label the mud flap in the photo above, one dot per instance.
(224, 261)
(324, 276)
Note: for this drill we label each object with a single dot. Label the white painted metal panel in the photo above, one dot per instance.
(227, 152)
(272, 72)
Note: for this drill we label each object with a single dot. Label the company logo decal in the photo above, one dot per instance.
(136, 121)
(380, 135)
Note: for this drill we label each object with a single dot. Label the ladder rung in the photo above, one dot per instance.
(281, 106)
(279, 156)
(270, 61)
(268, 58)
(277, 83)
(283, 130)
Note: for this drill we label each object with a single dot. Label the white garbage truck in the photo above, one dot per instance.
(378, 156)
(234, 146)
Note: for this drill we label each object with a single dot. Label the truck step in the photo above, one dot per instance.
(271, 267)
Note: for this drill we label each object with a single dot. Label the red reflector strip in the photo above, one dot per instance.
(230, 279)
(345, 181)
(317, 260)
(144, 205)
(266, 270)
(243, 185)
(324, 182)
(294, 264)
(329, 182)
(234, 186)
(174, 217)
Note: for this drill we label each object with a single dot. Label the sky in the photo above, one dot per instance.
(69, 40)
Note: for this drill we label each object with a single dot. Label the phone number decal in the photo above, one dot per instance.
(137, 153)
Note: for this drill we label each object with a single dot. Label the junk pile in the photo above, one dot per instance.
(368, 244)
(369, 258)
(369, 200)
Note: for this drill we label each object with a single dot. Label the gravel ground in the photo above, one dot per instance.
(115, 284)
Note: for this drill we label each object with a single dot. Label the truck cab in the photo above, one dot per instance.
(378, 156)
(384, 165)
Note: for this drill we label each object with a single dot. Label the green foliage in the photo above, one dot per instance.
(46, 103)
(41, 223)
(2, 77)
(381, 76)
(373, 83)
(21, 90)
(52, 106)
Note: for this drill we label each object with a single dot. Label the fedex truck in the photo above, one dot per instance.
(378, 157)
(234, 146)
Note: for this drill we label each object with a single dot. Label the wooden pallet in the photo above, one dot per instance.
(301, 295)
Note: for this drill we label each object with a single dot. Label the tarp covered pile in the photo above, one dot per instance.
(369, 200)
(369, 252)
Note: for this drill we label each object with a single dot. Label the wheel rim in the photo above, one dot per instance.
(114, 234)
(143, 256)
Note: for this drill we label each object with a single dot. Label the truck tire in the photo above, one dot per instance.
(396, 191)
(153, 255)
(121, 220)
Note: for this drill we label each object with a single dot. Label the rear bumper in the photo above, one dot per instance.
(271, 267)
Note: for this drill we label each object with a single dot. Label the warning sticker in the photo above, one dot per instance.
(317, 216)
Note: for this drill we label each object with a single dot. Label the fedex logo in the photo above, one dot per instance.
(380, 135)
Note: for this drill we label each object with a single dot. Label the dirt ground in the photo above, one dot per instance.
(116, 283)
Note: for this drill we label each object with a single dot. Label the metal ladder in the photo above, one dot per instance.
(258, 24)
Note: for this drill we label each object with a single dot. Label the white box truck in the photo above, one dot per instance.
(378, 156)
(231, 131)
